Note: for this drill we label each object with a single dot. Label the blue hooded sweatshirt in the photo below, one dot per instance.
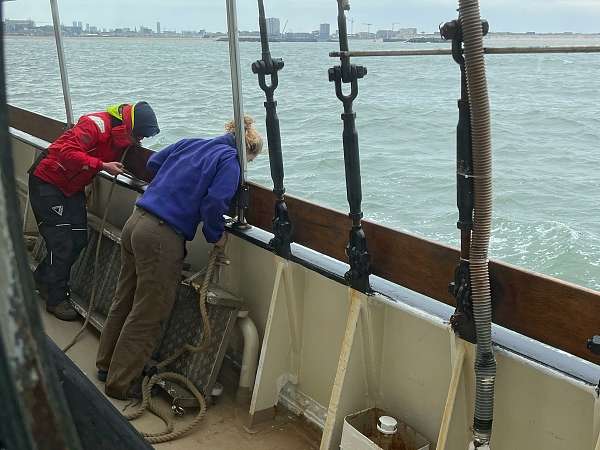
(195, 182)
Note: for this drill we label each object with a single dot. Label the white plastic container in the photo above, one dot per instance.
(361, 428)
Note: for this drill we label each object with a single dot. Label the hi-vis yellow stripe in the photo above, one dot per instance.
(113, 110)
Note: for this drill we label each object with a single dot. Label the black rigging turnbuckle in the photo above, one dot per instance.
(462, 320)
(346, 73)
(269, 66)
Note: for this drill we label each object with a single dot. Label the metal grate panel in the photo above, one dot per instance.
(185, 326)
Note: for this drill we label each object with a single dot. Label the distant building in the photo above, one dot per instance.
(45, 30)
(122, 31)
(18, 26)
(157, 27)
(145, 30)
(299, 37)
(87, 27)
(402, 33)
(80, 25)
(406, 32)
(191, 33)
(273, 27)
(93, 29)
(324, 32)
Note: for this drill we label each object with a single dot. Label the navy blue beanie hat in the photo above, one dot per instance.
(144, 120)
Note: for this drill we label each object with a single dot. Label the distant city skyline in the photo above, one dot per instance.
(275, 31)
(503, 15)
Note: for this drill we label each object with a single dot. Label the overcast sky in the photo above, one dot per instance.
(305, 15)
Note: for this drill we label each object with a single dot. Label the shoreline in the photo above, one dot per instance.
(223, 38)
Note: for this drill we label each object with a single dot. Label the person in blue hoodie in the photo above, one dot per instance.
(194, 182)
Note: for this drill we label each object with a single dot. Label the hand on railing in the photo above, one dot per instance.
(114, 168)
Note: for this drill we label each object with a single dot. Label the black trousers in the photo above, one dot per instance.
(62, 222)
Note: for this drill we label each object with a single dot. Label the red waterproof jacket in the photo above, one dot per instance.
(77, 155)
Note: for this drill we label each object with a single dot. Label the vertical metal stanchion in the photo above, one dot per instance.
(64, 77)
(238, 107)
(462, 320)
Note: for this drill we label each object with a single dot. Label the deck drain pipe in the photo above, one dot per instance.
(485, 363)
(249, 358)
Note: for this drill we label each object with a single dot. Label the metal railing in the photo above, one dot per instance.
(486, 50)
(64, 77)
(238, 107)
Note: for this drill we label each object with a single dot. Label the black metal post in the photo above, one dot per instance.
(282, 226)
(462, 320)
(347, 73)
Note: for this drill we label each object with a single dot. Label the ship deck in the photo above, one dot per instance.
(224, 426)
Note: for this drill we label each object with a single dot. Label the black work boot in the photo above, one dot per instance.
(63, 311)
(135, 390)
(102, 375)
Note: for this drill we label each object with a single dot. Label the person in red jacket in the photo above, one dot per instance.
(56, 190)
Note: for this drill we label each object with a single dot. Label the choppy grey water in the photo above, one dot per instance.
(546, 130)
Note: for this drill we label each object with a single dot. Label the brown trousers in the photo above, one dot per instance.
(151, 263)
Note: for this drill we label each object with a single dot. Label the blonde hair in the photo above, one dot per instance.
(254, 141)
